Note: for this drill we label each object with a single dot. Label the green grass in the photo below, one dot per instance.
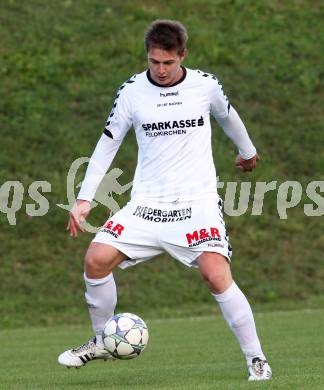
(60, 65)
(192, 353)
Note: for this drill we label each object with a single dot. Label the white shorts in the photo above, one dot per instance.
(144, 229)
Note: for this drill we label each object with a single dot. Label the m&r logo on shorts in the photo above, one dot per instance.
(203, 235)
(113, 229)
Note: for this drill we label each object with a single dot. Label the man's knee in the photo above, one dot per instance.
(101, 259)
(216, 272)
(94, 262)
(215, 279)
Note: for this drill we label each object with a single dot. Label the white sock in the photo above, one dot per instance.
(238, 314)
(101, 297)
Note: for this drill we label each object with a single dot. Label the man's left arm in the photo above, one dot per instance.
(234, 128)
(229, 120)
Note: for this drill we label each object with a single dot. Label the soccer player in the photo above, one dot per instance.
(174, 204)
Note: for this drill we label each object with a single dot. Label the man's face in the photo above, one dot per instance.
(165, 66)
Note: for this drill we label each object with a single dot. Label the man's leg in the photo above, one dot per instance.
(101, 293)
(101, 297)
(237, 312)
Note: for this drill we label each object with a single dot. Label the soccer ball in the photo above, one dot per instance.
(125, 335)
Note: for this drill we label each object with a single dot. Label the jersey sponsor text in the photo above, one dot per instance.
(171, 127)
(113, 229)
(203, 235)
(158, 215)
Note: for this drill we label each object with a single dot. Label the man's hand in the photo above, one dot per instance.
(246, 165)
(78, 214)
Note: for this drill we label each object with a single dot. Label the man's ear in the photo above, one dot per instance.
(183, 55)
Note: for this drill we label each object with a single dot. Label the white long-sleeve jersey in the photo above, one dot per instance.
(173, 133)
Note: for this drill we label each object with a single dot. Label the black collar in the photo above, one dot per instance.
(148, 74)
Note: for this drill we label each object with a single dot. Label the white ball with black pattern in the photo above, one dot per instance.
(125, 336)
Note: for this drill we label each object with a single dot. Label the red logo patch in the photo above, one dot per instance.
(202, 234)
(114, 229)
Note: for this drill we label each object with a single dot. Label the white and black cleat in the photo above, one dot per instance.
(259, 370)
(80, 356)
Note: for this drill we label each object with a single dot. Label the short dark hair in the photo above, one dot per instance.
(166, 35)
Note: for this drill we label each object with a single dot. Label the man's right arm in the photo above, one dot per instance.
(99, 163)
(117, 125)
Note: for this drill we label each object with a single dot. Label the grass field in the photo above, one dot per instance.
(61, 64)
(195, 353)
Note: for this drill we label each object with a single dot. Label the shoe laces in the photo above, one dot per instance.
(85, 347)
(258, 366)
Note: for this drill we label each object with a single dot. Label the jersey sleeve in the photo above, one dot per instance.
(117, 125)
(120, 117)
(234, 128)
(219, 104)
(99, 163)
(227, 117)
